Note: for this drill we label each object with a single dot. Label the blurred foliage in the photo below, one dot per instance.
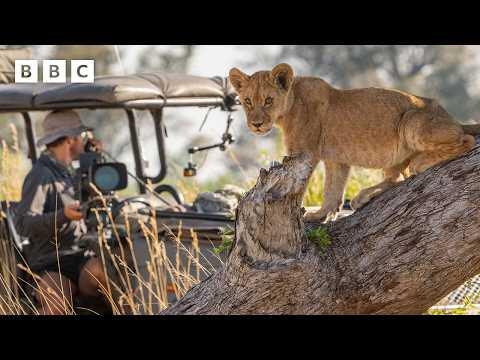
(168, 58)
(103, 55)
(13, 167)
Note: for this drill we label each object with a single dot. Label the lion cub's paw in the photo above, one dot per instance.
(357, 203)
(364, 197)
(321, 216)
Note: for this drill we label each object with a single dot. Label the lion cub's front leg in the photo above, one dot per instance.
(336, 176)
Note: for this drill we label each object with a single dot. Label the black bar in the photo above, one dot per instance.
(137, 152)
(32, 149)
(157, 116)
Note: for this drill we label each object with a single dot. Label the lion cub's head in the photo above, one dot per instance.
(263, 95)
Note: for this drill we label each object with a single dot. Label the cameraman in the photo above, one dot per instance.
(49, 216)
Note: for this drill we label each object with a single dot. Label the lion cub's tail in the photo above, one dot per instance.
(473, 129)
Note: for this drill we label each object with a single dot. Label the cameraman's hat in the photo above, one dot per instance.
(61, 123)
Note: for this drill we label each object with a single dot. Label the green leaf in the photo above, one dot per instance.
(320, 237)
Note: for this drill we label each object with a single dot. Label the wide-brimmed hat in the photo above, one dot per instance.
(61, 123)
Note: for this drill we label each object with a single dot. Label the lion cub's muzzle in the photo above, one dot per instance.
(260, 126)
(260, 129)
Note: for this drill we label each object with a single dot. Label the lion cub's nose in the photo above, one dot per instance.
(257, 124)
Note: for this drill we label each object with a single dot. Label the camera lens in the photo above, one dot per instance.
(106, 178)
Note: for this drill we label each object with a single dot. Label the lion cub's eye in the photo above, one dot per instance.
(248, 101)
(268, 101)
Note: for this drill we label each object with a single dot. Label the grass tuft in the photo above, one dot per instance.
(320, 237)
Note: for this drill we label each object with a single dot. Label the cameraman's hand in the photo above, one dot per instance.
(97, 145)
(72, 212)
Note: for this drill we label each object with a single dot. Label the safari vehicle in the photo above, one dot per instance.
(154, 93)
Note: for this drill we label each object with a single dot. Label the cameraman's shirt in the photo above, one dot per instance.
(47, 189)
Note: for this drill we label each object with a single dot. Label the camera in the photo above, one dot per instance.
(98, 180)
(106, 177)
(98, 202)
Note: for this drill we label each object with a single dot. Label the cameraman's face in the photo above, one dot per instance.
(77, 145)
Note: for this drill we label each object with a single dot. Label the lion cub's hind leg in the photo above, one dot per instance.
(391, 177)
(435, 140)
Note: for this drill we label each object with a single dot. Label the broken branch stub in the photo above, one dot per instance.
(269, 224)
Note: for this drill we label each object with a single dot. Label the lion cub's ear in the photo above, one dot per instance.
(238, 79)
(282, 75)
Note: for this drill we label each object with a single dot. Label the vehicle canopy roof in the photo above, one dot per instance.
(144, 90)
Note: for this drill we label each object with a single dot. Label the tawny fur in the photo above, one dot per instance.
(372, 128)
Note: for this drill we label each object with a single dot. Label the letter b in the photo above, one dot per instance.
(54, 71)
(26, 71)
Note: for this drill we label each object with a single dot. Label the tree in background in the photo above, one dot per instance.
(168, 58)
(103, 55)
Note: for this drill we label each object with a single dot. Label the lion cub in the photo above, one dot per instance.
(371, 128)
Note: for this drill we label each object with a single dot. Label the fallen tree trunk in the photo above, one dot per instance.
(400, 254)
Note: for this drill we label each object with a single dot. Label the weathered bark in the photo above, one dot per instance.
(400, 254)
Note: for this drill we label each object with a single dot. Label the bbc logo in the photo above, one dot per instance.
(55, 71)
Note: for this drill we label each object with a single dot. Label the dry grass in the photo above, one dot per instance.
(12, 169)
(129, 290)
(149, 295)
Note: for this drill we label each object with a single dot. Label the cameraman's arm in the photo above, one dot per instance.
(30, 217)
